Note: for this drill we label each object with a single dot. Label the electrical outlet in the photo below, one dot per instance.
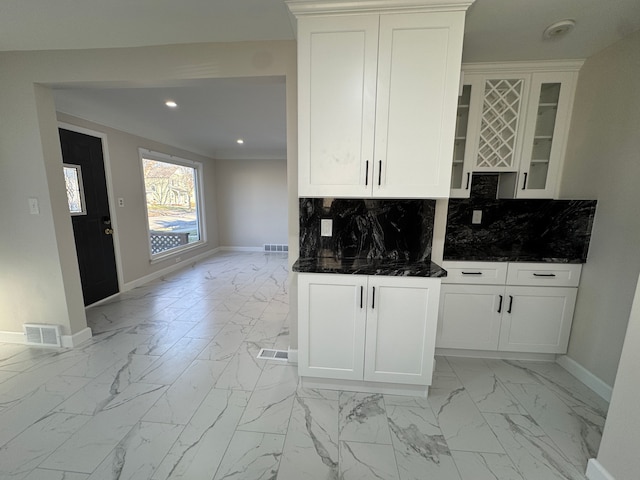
(34, 208)
(326, 227)
(476, 217)
(120, 202)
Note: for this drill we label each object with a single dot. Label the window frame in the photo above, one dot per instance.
(146, 154)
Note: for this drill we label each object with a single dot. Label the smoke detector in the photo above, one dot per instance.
(559, 29)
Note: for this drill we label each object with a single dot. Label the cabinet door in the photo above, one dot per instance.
(418, 81)
(547, 124)
(469, 316)
(537, 319)
(499, 143)
(331, 325)
(401, 329)
(337, 63)
(464, 153)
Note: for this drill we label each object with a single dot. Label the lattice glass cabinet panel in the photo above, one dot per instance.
(499, 125)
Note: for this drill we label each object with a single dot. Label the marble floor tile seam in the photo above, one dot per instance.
(532, 419)
(547, 440)
(506, 386)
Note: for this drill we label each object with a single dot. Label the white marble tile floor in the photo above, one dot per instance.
(169, 387)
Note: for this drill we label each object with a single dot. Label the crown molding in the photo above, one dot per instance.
(342, 7)
(524, 66)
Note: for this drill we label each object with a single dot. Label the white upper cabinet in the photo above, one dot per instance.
(513, 119)
(464, 147)
(377, 103)
(545, 138)
(500, 131)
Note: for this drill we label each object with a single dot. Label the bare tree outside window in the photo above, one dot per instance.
(172, 204)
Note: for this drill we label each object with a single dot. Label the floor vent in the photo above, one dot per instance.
(269, 354)
(275, 247)
(42, 335)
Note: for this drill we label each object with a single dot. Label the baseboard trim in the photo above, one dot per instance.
(293, 356)
(12, 337)
(244, 249)
(585, 376)
(165, 271)
(595, 471)
(70, 341)
(67, 341)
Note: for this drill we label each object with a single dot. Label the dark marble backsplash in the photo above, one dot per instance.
(519, 230)
(367, 229)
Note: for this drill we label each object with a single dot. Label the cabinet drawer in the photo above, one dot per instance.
(475, 273)
(545, 274)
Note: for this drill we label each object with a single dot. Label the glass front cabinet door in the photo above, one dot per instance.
(464, 146)
(547, 125)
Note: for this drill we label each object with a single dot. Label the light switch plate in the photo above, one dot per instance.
(476, 217)
(326, 227)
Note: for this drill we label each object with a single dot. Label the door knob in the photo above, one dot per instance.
(108, 231)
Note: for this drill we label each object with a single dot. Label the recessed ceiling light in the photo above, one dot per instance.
(171, 104)
(239, 141)
(559, 29)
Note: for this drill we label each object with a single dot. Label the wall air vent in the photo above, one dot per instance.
(42, 335)
(275, 247)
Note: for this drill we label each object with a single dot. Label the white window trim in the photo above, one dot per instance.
(163, 157)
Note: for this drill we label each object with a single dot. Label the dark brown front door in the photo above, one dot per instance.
(93, 230)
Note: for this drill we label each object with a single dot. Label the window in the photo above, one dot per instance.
(173, 202)
(75, 189)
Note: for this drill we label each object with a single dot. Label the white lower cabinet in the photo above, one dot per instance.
(537, 319)
(469, 316)
(534, 316)
(367, 328)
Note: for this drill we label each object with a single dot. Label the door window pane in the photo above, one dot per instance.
(75, 190)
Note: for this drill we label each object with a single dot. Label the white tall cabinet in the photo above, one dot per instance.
(376, 101)
(367, 328)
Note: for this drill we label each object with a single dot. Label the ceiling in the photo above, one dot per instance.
(212, 114)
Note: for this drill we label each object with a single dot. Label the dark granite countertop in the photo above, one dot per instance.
(359, 266)
(512, 258)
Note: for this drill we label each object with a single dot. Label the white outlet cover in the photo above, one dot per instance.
(476, 217)
(326, 227)
(34, 208)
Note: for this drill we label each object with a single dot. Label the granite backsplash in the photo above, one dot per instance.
(367, 229)
(519, 230)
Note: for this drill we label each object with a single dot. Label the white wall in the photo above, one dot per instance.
(603, 162)
(252, 202)
(39, 279)
(618, 452)
(126, 179)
